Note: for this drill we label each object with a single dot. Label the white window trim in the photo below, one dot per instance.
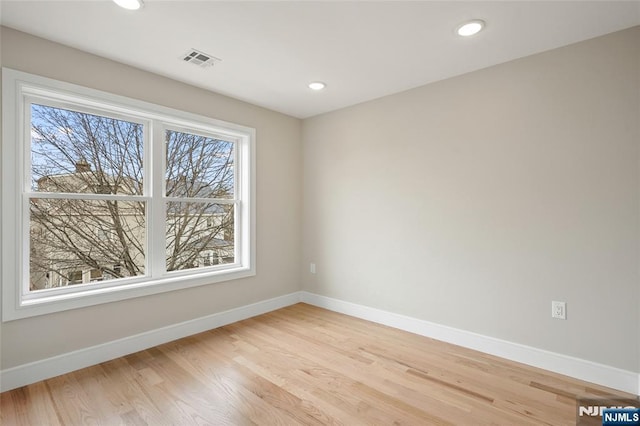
(16, 86)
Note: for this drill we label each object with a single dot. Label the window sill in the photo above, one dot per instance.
(42, 305)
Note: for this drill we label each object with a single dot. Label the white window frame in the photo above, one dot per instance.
(18, 89)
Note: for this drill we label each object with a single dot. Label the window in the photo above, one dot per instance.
(117, 198)
(99, 161)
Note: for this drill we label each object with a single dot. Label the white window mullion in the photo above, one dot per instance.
(156, 209)
(87, 196)
(26, 245)
(238, 246)
(25, 159)
(204, 200)
(246, 187)
(24, 166)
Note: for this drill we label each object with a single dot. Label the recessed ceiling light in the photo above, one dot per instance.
(470, 28)
(317, 85)
(129, 4)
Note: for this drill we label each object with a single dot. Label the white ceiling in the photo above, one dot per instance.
(271, 50)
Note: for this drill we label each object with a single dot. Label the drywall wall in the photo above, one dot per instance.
(476, 201)
(279, 207)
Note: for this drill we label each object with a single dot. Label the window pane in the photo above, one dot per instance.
(199, 235)
(199, 166)
(76, 152)
(81, 241)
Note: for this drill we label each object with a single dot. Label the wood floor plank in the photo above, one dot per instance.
(40, 405)
(71, 403)
(14, 407)
(259, 400)
(308, 366)
(132, 387)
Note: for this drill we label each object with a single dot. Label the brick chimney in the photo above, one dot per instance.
(82, 166)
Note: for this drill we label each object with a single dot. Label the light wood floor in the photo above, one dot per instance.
(302, 365)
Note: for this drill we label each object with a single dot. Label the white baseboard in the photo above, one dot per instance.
(25, 374)
(593, 372)
(616, 378)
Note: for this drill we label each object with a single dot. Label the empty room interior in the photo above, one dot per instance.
(320, 212)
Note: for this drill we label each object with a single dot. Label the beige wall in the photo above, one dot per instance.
(476, 201)
(278, 207)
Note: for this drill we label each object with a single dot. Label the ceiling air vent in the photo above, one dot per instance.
(201, 59)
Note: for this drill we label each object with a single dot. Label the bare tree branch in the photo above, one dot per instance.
(74, 152)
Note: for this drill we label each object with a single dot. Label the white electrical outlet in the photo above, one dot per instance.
(312, 268)
(559, 310)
